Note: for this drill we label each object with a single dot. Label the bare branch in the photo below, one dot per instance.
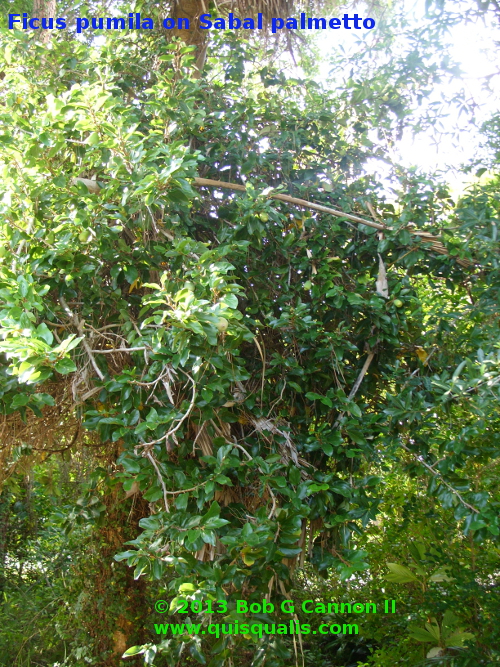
(425, 236)
(437, 246)
(357, 384)
(160, 479)
(290, 200)
(121, 349)
(79, 324)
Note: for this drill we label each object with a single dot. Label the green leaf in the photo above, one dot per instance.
(150, 522)
(177, 195)
(124, 555)
(23, 286)
(294, 476)
(93, 139)
(327, 448)
(132, 466)
(289, 552)
(153, 494)
(439, 575)
(222, 479)
(249, 164)
(295, 386)
(312, 396)
(230, 300)
(20, 400)
(216, 522)
(187, 588)
(459, 369)
(421, 635)
(193, 534)
(458, 638)
(400, 574)
(434, 630)
(354, 410)
(356, 435)
(208, 536)
(197, 654)
(45, 334)
(182, 501)
(65, 366)
(214, 511)
(417, 550)
(158, 569)
(314, 488)
(134, 650)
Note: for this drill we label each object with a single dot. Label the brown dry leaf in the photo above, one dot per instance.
(382, 286)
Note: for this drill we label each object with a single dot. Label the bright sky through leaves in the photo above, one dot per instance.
(456, 139)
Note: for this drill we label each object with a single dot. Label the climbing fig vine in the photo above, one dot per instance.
(255, 363)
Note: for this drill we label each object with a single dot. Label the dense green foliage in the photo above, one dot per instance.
(212, 387)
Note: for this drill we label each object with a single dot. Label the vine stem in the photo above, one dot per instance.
(79, 324)
(357, 384)
(273, 497)
(171, 432)
(435, 473)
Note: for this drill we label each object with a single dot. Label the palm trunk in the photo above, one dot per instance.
(44, 9)
(4, 527)
(192, 36)
(114, 609)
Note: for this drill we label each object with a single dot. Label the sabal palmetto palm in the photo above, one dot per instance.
(193, 9)
(268, 9)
